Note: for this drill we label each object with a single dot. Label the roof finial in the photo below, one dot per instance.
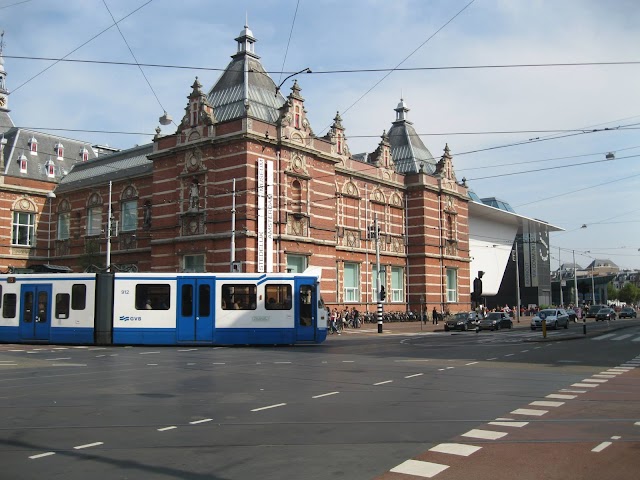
(246, 19)
(1, 42)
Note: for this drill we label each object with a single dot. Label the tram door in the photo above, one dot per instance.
(195, 310)
(35, 312)
(306, 311)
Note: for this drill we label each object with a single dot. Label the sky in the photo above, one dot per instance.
(563, 120)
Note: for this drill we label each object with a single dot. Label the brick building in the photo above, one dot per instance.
(245, 181)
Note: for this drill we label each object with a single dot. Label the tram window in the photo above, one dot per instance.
(278, 297)
(9, 305)
(153, 296)
(238, 297)
(204, 300)
(78, 296)
(62, 305)
(187, 300)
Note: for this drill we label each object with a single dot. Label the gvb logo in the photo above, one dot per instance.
(125, 318)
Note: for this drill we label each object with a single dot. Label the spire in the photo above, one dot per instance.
(3, 88)
(246, 42)
(401, 111)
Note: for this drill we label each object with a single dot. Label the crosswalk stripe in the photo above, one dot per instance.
(455, 449)
(622, 337)
(419, 469)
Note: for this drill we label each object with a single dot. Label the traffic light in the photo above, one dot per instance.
(383, 293)
(477, 289)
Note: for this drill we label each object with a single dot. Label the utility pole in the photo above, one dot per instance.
(561, 280)
(233, 226)
(380, 288)
(575, 279)
(517, 282)
(109, 231)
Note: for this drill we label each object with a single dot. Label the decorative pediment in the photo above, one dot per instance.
(378, 197)
(396, 200)
(24, 204)
(95, 200)
(350, 189)
(193, 160)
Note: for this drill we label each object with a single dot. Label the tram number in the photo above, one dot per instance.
(124, 292)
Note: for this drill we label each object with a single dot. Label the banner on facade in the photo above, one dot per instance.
(265, 216)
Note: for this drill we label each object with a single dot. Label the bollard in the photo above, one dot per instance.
(584, 326)
(380, 326)
(544, 328)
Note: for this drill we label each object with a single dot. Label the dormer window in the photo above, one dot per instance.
(33, 146)
(50, 167)
(59, 148)
(22, 161)
(85, 154)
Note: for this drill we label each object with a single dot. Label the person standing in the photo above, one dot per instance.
(434, 316)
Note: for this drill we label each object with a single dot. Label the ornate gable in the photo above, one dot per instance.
(198, 114)
(382, 155)
(293, 117)
(337, 137)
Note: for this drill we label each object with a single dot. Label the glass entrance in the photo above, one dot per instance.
(35, 312)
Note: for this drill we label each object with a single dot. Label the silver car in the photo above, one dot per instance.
(553, 318)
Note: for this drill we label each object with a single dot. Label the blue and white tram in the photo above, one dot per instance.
(162, 308)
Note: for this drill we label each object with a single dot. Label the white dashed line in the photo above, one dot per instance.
(57, 359)
(583, 385)
(414, 375)
(59, 348)
(484, 434)
(167, 428)
(348, 361)
(601, 447)
(382, 383)
(280, 363)
(152, 364)
(419, 469)
(8, 364)
(147, 353)
(88, 445)
(270, 406)
(325, 394)
(524, 351)
(470, 363)
(510, 424)
(68, 364)
(218, 363)
(188, 350)
(543, 403)
(509, 354)
(99, 356)
(529, 411)
(455, 449)
(204, 420)
(33, 457)
(494, 358)
(562, 397)
(567, 390)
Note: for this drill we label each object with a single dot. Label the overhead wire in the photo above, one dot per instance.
(286, 52)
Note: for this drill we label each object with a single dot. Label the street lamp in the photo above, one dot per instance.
(50, 197)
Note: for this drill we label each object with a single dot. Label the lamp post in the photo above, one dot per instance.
(593, 288)
(50, 197)
(517, 282)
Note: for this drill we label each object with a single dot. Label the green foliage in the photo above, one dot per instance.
(629, 293)
(612, 292)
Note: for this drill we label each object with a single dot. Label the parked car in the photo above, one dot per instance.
(461, 321)
(495, 321)
(594, 309)
(553, 317)
(606, 314)
(627, 312)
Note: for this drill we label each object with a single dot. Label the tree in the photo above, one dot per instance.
(629, 293)
(612, 292)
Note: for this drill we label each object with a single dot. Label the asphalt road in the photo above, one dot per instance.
(403, 405)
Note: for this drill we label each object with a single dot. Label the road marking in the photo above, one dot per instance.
(583, 385)
(637, 339)
(188, 350)
(190, 364)
(218, 363)
(622, 337)
(414, 375)
(16, 350)
(99, 356)
(56, 359)
(494, 358)
(566, 390)
(510, 424)
(59, 348)
(470, 363)
(88, 445)
(613, 372)
(563, 397)
(616, 437)
(602, 337)
(270, 406)
(544, 403)
(147, 353)
(509, 354)
(68, 364)
(152, 364)
(484, 434)
(281, 362)
(449, 368)
(98, 348)
(600, 375)
(601, 447)
(419, 469)
(524, 351)
(455, 449)
(326, 394)
(33, 457)
(166, 428)
(595, 380)
(626, 369)
(113, 355)
(382, 383)
(204, 420)
(348, 361)
(529, 411)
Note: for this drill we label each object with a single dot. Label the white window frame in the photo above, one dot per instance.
(33, 146)
(51, 170)
(301, 260)
(452, 285)
(64, 224)
(397, 289)
(351, 292)
(59, 151)
(23, 163)
(194, 263)
(85, 154)
(94, 221)
(24, 224)
(129, 216)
